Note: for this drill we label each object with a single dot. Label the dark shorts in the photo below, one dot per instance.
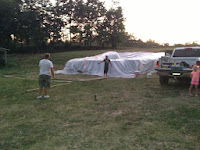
(106, 70)
(44, 81)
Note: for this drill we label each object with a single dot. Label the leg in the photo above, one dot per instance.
(105, 71)
(40, 91)
(45, 91)
(191, 86)
(47, 85)
(196, 90)
(41, 84)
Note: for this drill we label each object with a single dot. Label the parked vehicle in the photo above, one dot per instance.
(178, 65)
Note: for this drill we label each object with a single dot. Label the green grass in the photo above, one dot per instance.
(135, 114)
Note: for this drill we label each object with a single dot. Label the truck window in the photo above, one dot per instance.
(187, 53)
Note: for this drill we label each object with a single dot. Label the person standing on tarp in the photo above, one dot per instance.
(46, 70)
(107, 62)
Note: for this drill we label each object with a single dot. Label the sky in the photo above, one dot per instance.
(164, 21)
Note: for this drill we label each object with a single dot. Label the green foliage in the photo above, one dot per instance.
(38, 24)
(7, 15)
(115, 26)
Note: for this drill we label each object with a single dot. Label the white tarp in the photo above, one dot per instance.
(125, 64)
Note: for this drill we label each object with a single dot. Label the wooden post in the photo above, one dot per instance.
(3, 56)
(37, 89)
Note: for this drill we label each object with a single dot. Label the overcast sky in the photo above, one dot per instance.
(165, 21)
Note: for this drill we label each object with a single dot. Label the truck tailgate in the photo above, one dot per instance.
(171, 73)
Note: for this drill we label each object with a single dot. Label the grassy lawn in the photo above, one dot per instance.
(135, 114)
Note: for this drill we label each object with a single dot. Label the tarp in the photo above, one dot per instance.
(124, 64)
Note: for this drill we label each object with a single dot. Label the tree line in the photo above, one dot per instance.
(37, 25)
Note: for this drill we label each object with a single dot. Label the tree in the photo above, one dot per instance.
(78, 21)
(151, 43)
(84, 20)
(57, 22)
(93, 12)
(31, 23)
(38, 23)
(115, 26)
(68, 8)
(8, 9)
(102, 34)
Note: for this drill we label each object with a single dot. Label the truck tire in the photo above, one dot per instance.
(164, 80)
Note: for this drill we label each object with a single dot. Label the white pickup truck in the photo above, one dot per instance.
(178, 65)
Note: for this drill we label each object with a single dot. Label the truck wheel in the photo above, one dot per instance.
(164, 80)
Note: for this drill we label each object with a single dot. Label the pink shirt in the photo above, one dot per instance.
(195, 75)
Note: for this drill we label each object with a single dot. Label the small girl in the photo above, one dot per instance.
(195, 80)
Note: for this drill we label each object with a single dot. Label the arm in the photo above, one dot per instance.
(110, 64)
(100, 62)
(191, 75)
(52, 72)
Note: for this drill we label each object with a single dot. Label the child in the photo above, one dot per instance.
(107, 61)
(195, 80)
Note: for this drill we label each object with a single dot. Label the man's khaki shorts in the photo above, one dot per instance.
(44, 81)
